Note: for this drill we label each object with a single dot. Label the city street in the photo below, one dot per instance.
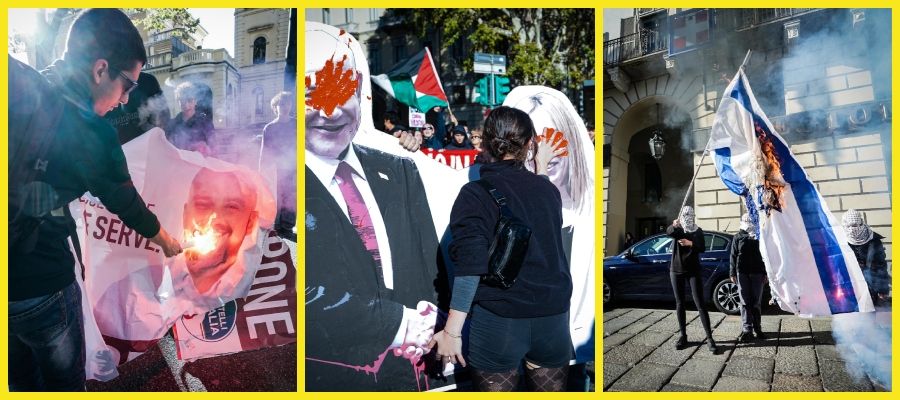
(798, 355)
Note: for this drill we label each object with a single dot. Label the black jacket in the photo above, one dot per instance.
(745, 255)
(544, 285)
(146, 108)
(686, 259)
(198, 128)
(871, 258)
(351, 316)
(85, 156)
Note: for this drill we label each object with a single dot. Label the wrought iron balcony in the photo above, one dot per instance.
(732, 19)
(645, 42)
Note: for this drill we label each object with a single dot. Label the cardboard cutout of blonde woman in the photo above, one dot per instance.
(573, 175)
(137, 294)
(365, 322)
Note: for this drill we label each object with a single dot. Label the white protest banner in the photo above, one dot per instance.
(135, 293)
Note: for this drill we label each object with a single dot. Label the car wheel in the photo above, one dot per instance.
(607, 293)
(725, 297)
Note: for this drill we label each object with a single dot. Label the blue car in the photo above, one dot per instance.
(641, 272)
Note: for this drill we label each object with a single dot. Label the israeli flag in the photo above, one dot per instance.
(811, 268)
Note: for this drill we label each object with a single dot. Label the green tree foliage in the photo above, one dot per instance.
(160, 19)
(544, 46)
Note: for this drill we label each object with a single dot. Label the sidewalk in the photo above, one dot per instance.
(799, 355)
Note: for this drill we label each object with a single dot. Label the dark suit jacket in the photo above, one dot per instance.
(351, 317)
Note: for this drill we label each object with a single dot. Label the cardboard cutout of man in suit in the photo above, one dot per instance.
(371, 245)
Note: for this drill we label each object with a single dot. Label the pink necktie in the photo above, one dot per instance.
(359, 213)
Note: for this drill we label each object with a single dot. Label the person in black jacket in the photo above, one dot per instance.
(685, 266)
(749, 272)
(529, 321)
(869, 251)
(100, 68)
(192, 129)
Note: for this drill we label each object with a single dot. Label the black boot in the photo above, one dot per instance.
(711, 345)
(681, 342)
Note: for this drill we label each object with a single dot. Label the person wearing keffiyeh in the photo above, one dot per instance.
(869, 251)
(749, 272)
(685, 266)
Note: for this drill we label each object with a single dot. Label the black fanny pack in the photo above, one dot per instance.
(509, 246)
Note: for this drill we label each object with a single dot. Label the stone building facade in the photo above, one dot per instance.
(822, 76)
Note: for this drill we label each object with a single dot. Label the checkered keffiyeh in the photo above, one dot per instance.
(747, 225)
(687, 219)
(858, 232)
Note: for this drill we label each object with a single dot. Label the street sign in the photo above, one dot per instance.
(489, 64)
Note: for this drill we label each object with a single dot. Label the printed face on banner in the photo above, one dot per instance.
(332, 94)
(219, 213)
(558, 169)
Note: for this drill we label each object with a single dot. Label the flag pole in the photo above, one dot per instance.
(706, 149)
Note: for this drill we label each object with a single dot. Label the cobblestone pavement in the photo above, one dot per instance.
(798, 355)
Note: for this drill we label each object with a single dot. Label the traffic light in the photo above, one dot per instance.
(501, 88)
(482, 88)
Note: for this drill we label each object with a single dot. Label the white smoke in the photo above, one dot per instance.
(863, 342)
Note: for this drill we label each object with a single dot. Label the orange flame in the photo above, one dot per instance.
(203, 237)
(774, 182)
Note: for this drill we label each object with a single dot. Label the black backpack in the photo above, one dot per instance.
(34, 116)
(509, 246)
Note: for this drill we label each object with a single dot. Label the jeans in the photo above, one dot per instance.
(750, 287)
(46, 342)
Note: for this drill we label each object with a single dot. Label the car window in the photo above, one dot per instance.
(659, 245)
(719, 243)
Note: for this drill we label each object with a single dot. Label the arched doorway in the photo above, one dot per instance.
(644, 194)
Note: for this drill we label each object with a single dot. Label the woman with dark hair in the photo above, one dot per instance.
(529, 321)
(629, 240)
(685, 267)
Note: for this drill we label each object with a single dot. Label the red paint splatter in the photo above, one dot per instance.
(368, 97)
(342, 32)
(334, 86)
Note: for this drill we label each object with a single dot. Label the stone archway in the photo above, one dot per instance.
(627, 201)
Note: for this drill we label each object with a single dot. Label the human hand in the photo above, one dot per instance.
(419, 332)
(437, 109)
(676, 223)
(548, 149)
(409, 141)
(169, 246)
(733, 280)
(685, 242)
(449, 348)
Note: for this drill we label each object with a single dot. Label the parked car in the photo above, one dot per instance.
(641, 272)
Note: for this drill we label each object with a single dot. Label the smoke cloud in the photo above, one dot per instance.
(865, 344)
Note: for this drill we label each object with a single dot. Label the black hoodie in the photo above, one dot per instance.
(745, 255)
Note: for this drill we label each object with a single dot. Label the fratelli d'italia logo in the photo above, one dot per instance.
(216, 324)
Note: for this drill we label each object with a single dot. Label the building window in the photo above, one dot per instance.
(374, 58)
(373, 14)
(326, 16)
(399, 45)
(348, 15)
(458, 95)
(259, 101)
(259, 50)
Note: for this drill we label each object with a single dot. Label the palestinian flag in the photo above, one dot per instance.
(414, 82)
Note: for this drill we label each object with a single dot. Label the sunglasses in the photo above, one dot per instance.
(429, 128)
(131, 84)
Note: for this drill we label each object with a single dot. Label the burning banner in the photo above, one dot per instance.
(135, 293)
(811, 268)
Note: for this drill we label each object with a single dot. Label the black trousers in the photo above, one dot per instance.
(696, 282)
